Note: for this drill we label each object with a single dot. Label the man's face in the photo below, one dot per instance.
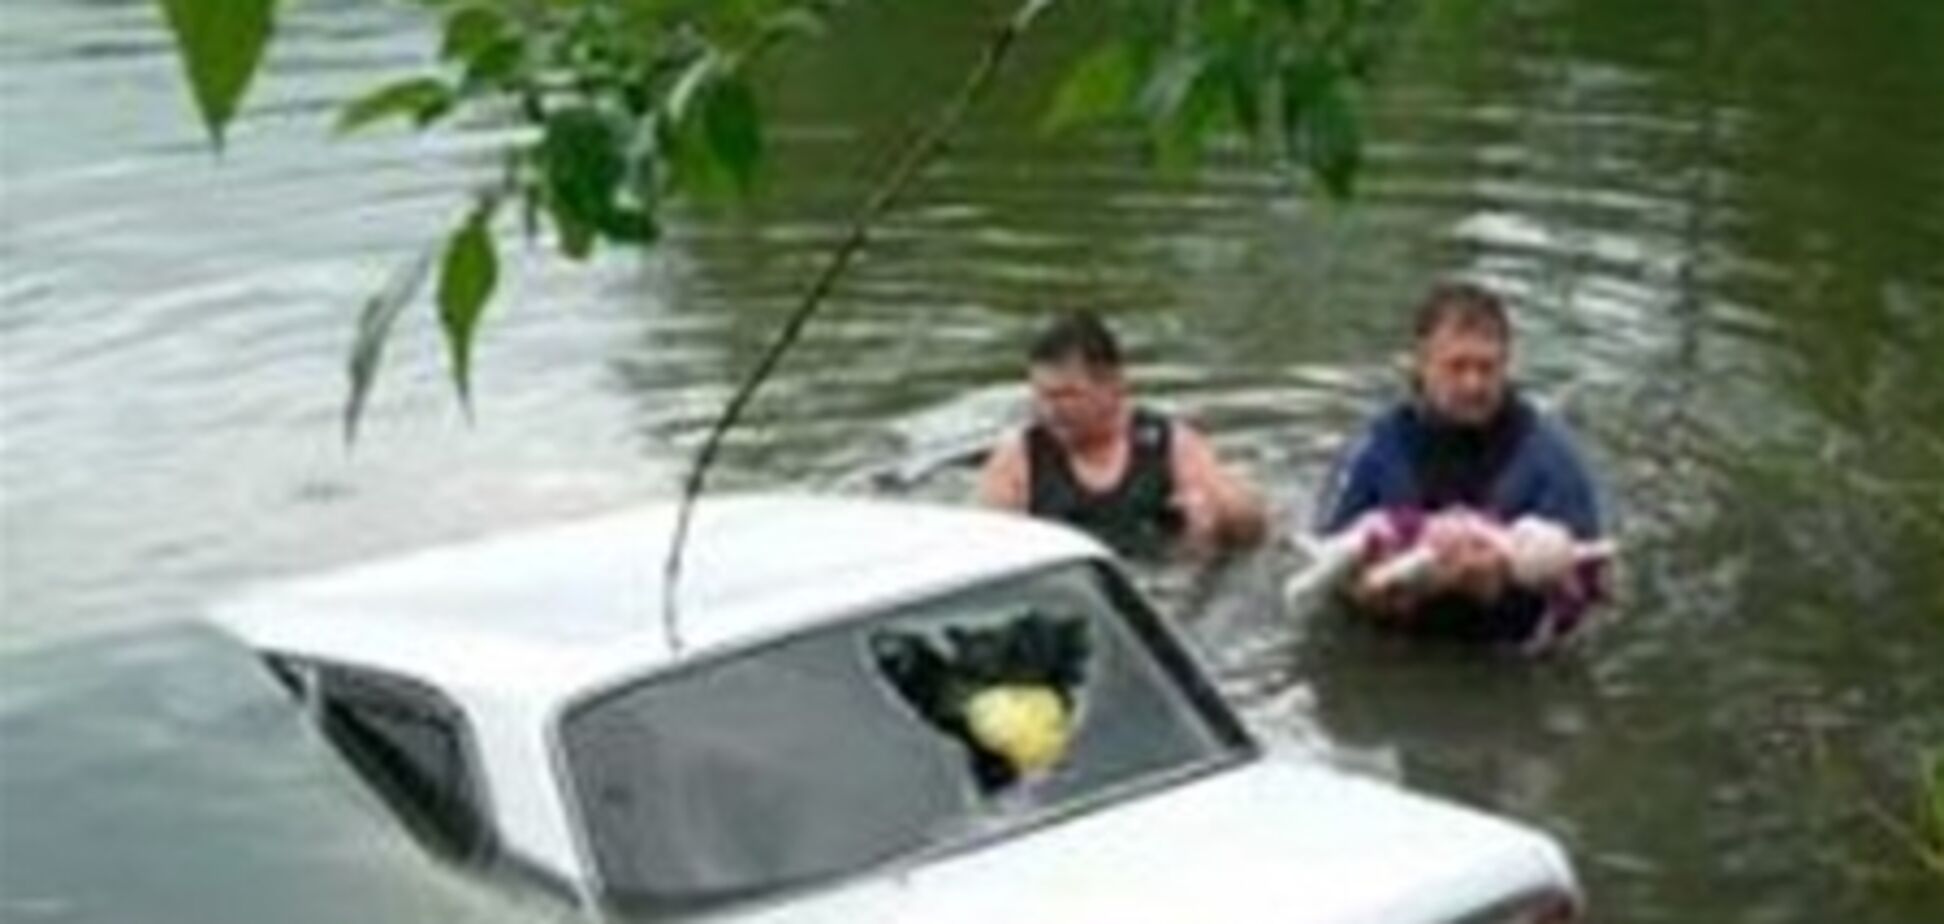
(1079, 403)
(1462, 373)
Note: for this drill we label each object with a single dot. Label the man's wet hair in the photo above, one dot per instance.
(1076, 335)
(1463, 306)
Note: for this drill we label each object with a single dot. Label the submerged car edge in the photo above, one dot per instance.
(768, 772)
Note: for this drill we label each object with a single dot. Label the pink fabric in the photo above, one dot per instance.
(1397, 529)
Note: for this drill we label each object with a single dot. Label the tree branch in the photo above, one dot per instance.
(923, 148)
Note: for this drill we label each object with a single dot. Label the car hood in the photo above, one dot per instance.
(1273, 840)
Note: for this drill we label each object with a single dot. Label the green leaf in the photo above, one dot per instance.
(1183, 102)
(733, 128)
(1167, 89)
(495, 65)
(1245, 101)
(421, 99)
(688, 87)
(375, 323)
(797, 21)
(1096, 89)
(467, 277)
(1320, 124)
(691, 167)
(711, 132)
(631, 225)
(1334, 150)
(584, 166)
(632, 217)
(582, 162)
(1303, 82)
(469, 31)
(221, 45)
(1243, 77)
(576, 236)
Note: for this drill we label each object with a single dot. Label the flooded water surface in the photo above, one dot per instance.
(1720, 224)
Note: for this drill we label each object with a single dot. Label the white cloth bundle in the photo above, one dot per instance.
(1538, 553)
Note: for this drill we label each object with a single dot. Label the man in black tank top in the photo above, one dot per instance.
(1132, 477)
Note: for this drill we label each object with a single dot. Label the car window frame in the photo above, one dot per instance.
(1174, 657)
(303, 677)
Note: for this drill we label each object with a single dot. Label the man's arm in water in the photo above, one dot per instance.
(1352, 491)
(1002, 480)
(1218, 504)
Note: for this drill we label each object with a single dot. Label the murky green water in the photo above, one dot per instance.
(1722, 222)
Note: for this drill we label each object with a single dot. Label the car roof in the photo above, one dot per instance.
(552, 611)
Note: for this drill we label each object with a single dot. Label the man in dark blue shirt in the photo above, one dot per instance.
(1466, 448)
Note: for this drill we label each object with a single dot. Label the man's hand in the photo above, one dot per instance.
(1216, 506)
(1394, 601)
(1002, 480)
(1201, 517)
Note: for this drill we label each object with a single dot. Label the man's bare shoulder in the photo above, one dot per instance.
(1189, 445)
(1009, 448)
(1002, 479)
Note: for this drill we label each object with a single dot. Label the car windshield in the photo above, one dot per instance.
(815, 756)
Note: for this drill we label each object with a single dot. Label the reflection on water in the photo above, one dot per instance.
(1720, 221)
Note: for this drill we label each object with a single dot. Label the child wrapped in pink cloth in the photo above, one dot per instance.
(1399, 551)
(1463, 511)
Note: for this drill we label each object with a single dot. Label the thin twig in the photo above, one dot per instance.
(920, 152)
(1907, 835)
(1904, 834)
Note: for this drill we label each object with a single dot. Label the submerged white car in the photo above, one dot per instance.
(822, 747)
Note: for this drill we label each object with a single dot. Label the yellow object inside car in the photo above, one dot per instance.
(1026, 724)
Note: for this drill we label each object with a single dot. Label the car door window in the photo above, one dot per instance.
(409, 744)
(798, 762)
